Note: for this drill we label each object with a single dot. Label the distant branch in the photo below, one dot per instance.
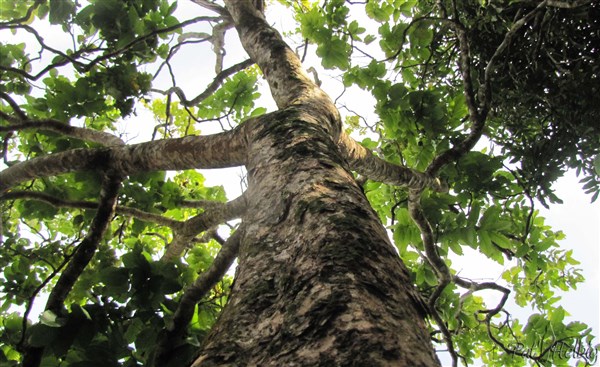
(27, 15)
(478, 107)
(63, 203)
(476, 117)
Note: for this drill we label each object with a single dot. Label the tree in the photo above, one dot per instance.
(130, 256)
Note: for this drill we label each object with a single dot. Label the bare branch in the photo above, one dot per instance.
(213, 86)
(206, 4)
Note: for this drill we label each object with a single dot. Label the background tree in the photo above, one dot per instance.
(130, 257)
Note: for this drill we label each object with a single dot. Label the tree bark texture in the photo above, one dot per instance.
(318, 282)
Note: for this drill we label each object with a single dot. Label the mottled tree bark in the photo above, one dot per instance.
(318, 283)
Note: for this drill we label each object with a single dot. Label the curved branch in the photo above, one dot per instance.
(56, 126)
(212, 87)
(365, 163)
(184, 236)
(144, 37)
(79, 260)
(438, 264)
(63, 203)
(192, 295)
(15, 107)
(206, 4)
(226, 149)
(477, 111)
(27, 15)
(475, 115)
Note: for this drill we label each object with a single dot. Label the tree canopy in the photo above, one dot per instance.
(466, 112)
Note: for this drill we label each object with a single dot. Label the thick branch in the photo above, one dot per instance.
(211, 217)
(212, 151)
(192, 295)
(365, 163)
(80, 259)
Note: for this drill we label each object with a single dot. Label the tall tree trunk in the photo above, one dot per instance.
(318, 282)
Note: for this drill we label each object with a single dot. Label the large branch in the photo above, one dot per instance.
(184, 236)
(374, 168)
(80, 259)
(192, 295)
(212, 151)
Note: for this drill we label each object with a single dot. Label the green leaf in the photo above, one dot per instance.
(379, 11)
(49, 318)
(61, 11)
(334, 54)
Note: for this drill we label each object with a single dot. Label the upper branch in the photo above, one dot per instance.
(476, 116)
(213, 86)
(478, 107)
